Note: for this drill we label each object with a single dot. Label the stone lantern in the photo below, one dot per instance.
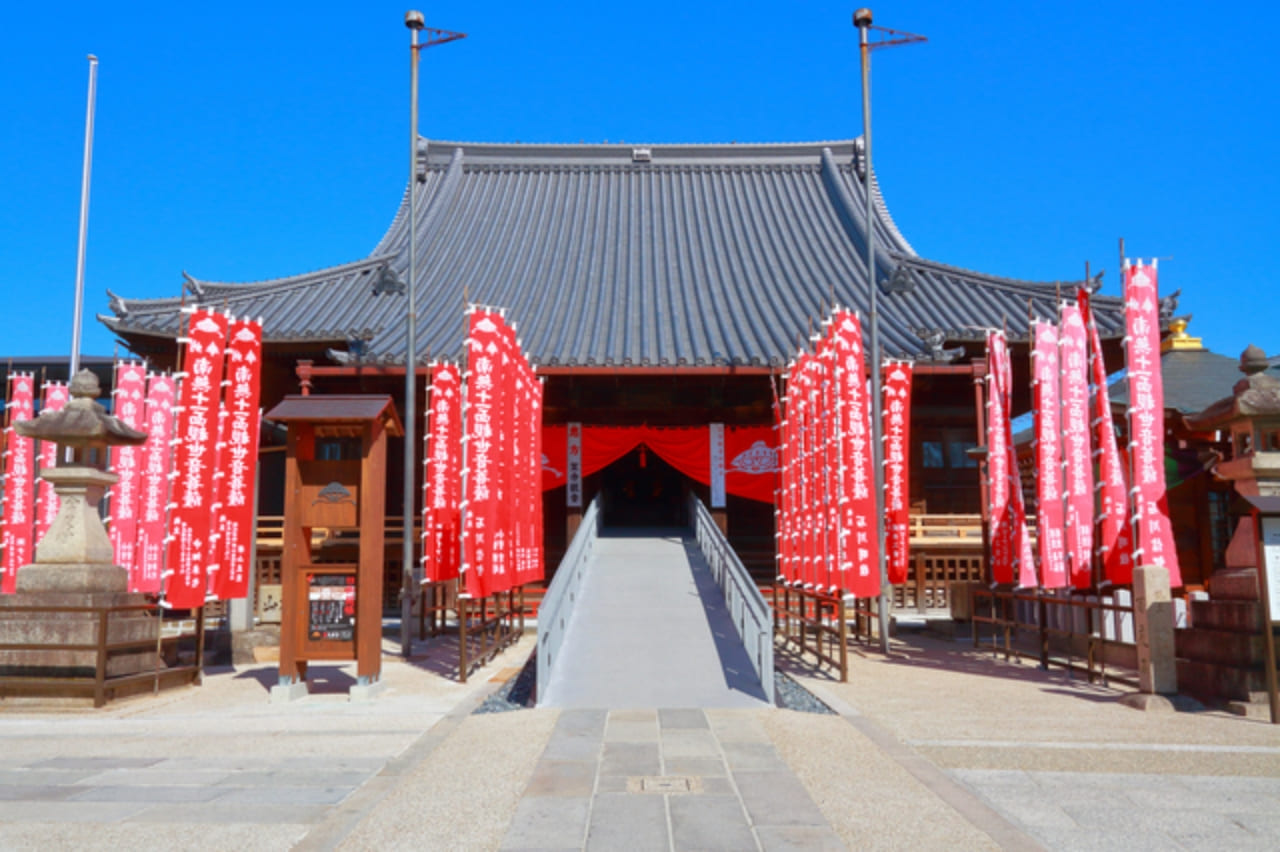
(74, 565)
(1251, 417)
(1226, 648)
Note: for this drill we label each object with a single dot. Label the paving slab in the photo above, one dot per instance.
(542, 822)
(710, 822)
(573, 778)
(625, 821)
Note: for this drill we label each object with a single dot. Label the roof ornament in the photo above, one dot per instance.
(358, 349)
(901, 281)
(936, 340)
(1094, 284)
(117, 304)
(388, 282)
(1169, 308)
(194, 286)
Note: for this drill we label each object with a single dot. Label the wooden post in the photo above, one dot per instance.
(920, 582)
(844, 638)
(462, 638)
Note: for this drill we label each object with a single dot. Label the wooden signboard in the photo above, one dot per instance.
(335, 480)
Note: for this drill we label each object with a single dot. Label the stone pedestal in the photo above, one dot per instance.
(1153, 630)
(73, 571)
(21, 624)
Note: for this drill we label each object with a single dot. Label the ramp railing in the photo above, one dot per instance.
(752, 617)
(556, 609)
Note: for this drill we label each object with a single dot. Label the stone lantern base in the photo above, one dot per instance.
(58, 594)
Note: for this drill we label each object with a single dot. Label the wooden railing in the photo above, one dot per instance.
(946, 553)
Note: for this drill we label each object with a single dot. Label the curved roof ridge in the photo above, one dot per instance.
(659, 153)
(1001, 281)
(881, 206)
(300, 279)
(399, 221)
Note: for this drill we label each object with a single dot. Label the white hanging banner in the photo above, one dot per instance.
(717, 465)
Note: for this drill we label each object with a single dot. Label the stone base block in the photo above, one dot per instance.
(283, 693)
(1148, 702)
(366, 691)
(75, 578)
(260, 645)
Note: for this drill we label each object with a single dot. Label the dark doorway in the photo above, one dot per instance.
(641, 490)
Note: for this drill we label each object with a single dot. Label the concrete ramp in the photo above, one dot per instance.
(650, 629)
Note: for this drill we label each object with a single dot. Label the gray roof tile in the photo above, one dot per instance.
(705, 255)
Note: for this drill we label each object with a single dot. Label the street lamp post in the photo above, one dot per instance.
(415, 22)
(862, 20)
(408, 587)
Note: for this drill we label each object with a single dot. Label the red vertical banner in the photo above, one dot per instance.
(153, 497)
(1051, 541)
(1115, 538)
(812, 498)
(1076, 446)
(784, 512)
(827, 472)
(191, 521)
(538, 569)
(1023, 559)
(239, 459)
(1000, 529)
(19, 483)
(1155, 544)
(480, 494)
(795, 419)
(440, 528)
(217, 490)
(507, 443)
(859, 545)
(129, 404)
(54, 398)
(897, 466)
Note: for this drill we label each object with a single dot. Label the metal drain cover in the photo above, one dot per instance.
(664, 784)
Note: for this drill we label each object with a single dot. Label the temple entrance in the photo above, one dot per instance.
(642, 490)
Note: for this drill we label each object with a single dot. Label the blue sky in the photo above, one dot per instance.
(246, 141)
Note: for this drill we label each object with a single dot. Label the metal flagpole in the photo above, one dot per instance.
(84, 216)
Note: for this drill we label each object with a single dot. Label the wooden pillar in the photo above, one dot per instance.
(721, 519)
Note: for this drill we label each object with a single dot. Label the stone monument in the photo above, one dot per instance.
(74, 563)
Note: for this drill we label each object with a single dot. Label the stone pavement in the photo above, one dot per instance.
(935, 747)
(665, 779)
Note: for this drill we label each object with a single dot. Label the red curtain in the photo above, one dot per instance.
(751, 454)
(688, 450)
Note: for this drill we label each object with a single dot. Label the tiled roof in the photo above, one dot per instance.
(604, 255)
(1193, 380)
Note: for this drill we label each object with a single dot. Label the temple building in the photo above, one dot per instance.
(662, 285)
